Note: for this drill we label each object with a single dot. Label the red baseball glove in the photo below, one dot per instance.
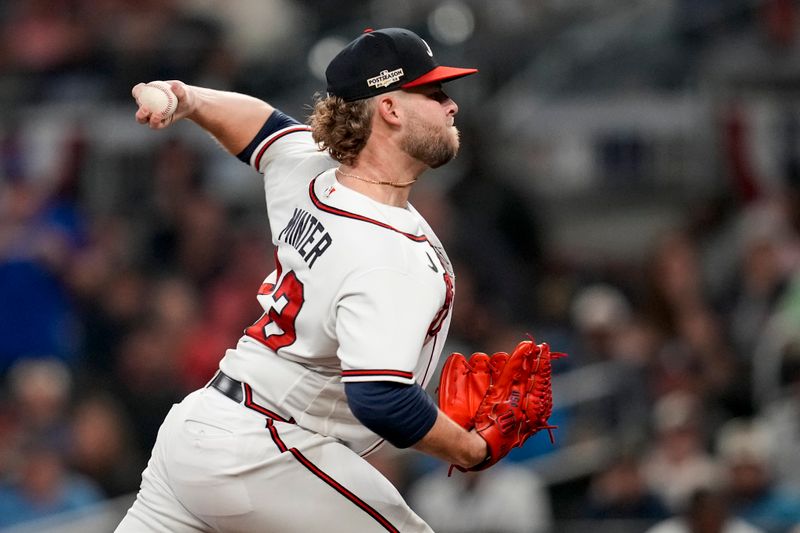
(505, 398)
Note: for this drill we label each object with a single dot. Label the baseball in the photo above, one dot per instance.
(158, 98)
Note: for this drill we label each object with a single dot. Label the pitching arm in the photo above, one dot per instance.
(233, 119)
(406, 416)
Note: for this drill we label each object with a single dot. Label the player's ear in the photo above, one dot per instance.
(388, 108)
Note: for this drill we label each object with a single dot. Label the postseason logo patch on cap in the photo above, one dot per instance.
(385, 78)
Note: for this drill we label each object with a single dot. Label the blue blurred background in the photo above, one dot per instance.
(628, 190)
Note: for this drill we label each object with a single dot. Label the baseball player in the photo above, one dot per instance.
(355, 317)
(355, 314)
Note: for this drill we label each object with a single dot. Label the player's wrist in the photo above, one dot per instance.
(195, 100)
(478, 452)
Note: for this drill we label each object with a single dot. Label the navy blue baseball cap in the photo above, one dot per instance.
(379, 61)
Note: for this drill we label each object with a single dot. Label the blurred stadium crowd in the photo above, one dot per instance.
(129, 259)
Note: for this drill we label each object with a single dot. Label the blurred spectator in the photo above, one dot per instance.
(259, 30)
(41, 230)
(148, 379)
(674, 283)
(174, 305)
(41, 393)
(781, 418)
(599, 312)
(216, 327)
(678, 463)
(11, 441)
(109, 288)
(763, 320)
(202, 246)
(765, 271)
(176, 181)
(601, 315)
(746, 451)
(229, 306)
(44, 36)
(776, 343)
(717, 377)
(707, 512)
(504, 231)
(111, 313)
(472, 321)
(43, 486)
(138, 285)
(620, 492)
(508, 498)
(695, 353)
(102, 447)
(153, 39)
(35, 249)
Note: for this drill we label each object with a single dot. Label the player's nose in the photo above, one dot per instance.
(451, 107)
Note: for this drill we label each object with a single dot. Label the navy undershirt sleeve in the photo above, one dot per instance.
(400, 413)
(276, 122)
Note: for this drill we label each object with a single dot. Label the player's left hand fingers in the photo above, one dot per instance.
(152, 120)
(155, 121)
(143, 115)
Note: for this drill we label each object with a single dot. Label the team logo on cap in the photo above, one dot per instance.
(427, 47)
(385, 78)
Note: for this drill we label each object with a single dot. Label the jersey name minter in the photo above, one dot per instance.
(304, 230)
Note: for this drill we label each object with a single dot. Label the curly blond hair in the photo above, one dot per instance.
(342, 128)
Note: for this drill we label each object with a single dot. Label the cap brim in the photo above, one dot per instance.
(440, 74)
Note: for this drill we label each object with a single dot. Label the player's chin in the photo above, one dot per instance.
(455, 140)
(455, 137)
(445, 155)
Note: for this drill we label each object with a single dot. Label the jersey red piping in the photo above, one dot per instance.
(335, 485)
(379, 372)
(249, 403)
(257, 162)
(347, 214)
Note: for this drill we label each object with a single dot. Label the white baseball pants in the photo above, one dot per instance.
(220, 466)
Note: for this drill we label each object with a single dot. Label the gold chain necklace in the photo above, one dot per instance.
(376, 182)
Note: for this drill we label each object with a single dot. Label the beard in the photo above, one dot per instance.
(433, 146)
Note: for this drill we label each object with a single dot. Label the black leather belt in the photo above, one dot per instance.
(228, 386)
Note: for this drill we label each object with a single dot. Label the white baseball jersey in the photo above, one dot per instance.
(362, 292)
